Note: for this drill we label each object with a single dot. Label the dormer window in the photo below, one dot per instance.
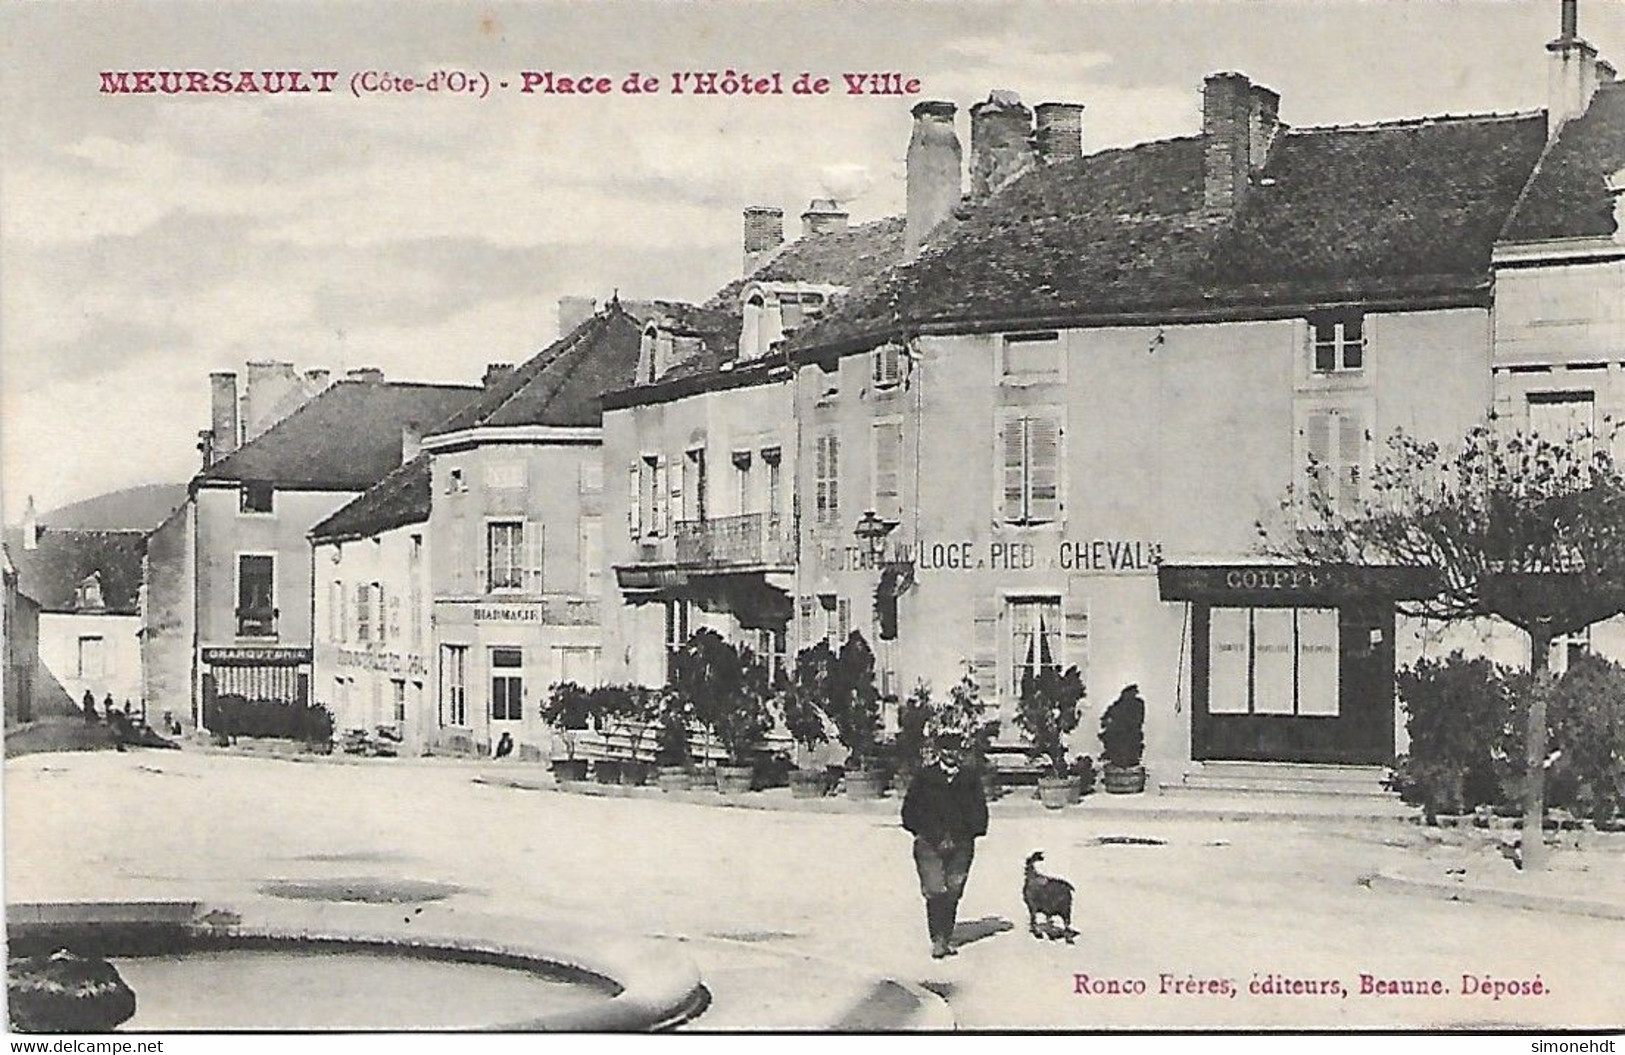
(256, 498)
(646, 355)
(1338, 343)
(88, 595)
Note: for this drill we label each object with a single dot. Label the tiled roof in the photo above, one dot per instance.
(562, 384)
(62, 558)
(835, 258)
(1568, 198)
(1394, 212)
(398, 499)
(346, 439)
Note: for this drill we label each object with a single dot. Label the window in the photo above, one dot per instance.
(592, 555)
(88, 595)
(507, 684)
(743, 498)
(505, 476)
(415, 574)
(1567, 648)
(888, 458)
(1030, 446)
(256, 498)
(634, 499)
(770, 646)
(577, 664)
(91, 660)
(771, 458)
(691, 497)
(1273, 661)
(397, 690)
(1030, 357)
(592, 477)
(1034, 638)
(454, 685)
(458, 563)
(1338, 446)
(677, 614)
(1560, 417)
(454, 482)
(335, 611)
(886, 366)
(389, 614)
(363, 611)
(655, 495)
(827, 480)
(256, 612)
(1339, 343)
(836, 619)
(505, 545)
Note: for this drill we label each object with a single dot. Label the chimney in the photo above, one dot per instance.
(495, 373)
(316, 380)
(1227, 108)
(370, 375)
(1572, 71)
(222, 414)
(411, 441)
(764, 232)
(573, 311)
(933, 173)
(1263, 122)
(1001, 142)
(1059, 133)
(823, 216)
(30, 525)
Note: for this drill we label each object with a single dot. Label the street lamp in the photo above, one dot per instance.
(873, 531)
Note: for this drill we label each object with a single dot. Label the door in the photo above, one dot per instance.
(1293, 684)
(507, 690)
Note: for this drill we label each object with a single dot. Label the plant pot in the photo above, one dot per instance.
(705, 778)
(570, 770)
(1123, 780)
(733, 780)
(865, 783)
(807, 783)
(675, 778)
(607, 771)
(1074, 790)
(634, 774)
(1055, 792)
(992, 785)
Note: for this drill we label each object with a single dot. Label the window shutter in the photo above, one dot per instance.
(658, 500)
(674, 476)
(888, 440)
(1012, 444)
(984, 657)
(834, 507)
(1351, 443)
(634, 501)
(1318, 435)
(806, 632)
(843, 622)
(1043, 469)
(532, 555)
(1075, 648)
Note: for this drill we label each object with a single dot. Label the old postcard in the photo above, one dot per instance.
(816, 517)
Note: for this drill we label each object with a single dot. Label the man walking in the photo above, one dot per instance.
(946, 812)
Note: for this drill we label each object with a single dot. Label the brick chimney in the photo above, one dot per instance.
(823, 216)
(573, 311)
(1572, 72)
(411, 441)
(1001, 142)
(1240, 120)
(30, 525)
(495, 373)
(933, 173)
(764, 232)
(366, 374)
(222, 414)
(1059, 131)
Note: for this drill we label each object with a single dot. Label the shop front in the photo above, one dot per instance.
(1291, 664)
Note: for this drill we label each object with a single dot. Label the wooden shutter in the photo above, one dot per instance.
(984, 656)
(531, 556)
(1075, 623)
(806, 630)
(1351, 442)
(843, 622)
(888, 447)
(634, 500)
(659, 498)
(1012, 441)
(1318, 441)
(1043, 469)
(675, 478)
(834, 507)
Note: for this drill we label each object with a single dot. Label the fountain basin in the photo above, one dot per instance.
(316, 966)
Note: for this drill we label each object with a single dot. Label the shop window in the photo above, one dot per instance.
(1029, 358)
(507, 684)
(256, 498)
(454, 685)
(1273, 661)
(1030, 447)
(256, 611)
(1338, 343)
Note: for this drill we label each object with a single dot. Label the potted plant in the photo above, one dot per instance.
(801, 706)
(673, 761)
(1083, 776)
(1122, 742)
(1047, 712)
(738, 714)
(966, 713)
(854, 707)
(636, 709)
(567, 711)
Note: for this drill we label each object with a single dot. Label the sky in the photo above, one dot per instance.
(146, 240)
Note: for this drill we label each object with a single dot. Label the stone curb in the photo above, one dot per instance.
(1485, 895)
(1099, 805)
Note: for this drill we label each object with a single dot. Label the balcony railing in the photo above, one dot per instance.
(753, 539)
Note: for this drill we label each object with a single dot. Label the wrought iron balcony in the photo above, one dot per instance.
(751, 540)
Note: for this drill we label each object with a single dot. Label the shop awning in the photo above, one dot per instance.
(1263, 585)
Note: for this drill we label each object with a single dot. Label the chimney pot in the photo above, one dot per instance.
(1573, 71)
(1059, 131)
(764, 232)
(495, 373)
(933, 174)
(823, 216)
(1001, 141)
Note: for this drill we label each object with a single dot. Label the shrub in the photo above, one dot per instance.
(568, 710)
(1587, 718)
(727, 691)
(1049, 710)
(1083, 767)
(914, 715)
(1464, 716)
(231, 716)
(854, 700)
(803, 698)
(1122, 730)
(673, 715)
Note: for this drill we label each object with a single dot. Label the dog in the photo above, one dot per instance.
(1048, 897)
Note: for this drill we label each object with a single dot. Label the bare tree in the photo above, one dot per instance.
(1505, 525)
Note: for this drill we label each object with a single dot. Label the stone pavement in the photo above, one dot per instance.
(1260, 905)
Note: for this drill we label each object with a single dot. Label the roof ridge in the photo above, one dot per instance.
(576, 362)
(1417, 122)
(447, 385)
(565, 345)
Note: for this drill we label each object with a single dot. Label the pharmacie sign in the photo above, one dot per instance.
(1098, 556)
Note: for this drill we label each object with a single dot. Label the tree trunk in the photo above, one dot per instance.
(1533, 857)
